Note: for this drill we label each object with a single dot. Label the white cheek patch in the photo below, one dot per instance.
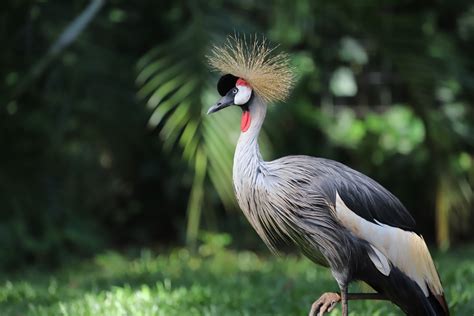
(243, 96)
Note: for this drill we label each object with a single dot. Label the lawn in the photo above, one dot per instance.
(215, 281)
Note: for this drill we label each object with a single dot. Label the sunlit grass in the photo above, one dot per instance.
(216, 281)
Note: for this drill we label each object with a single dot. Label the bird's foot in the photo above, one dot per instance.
(325, 303)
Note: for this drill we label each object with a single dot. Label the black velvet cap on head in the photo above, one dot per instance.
(226, 82)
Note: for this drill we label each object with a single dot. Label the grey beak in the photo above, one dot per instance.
(224, 102)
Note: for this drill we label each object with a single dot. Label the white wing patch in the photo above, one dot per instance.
(380, 261)
(405, 250)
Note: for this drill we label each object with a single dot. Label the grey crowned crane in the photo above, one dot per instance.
(336, 216)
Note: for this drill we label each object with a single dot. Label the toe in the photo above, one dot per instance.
(324, 308)
(315, 308)
(331, 306)
(324, 304)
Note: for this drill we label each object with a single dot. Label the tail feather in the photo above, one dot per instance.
(406, 293)
(442, 302)
(409, 296)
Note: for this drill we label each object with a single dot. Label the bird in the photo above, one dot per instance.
(334, 215)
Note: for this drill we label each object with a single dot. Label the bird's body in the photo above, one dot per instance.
(336, 216)
(303, 201)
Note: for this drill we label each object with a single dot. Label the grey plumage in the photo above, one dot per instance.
(284, 199)
(292, 200)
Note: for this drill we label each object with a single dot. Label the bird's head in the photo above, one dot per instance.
(234, 91)
(249, 68)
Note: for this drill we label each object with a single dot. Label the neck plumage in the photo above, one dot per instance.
(248, 159)
(250, 172)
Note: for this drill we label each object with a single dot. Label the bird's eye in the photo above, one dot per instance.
(235, 90)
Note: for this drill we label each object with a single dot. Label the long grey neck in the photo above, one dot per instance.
(247, 154)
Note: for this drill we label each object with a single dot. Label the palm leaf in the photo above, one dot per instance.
(174, 80)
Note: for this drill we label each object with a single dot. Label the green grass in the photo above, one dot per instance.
(216, 281)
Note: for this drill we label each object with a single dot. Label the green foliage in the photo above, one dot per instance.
(176, 88)
(107, 144)
(217, 282)
(79, 170)
(175, 80)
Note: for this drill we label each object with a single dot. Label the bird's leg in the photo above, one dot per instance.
(344, 300)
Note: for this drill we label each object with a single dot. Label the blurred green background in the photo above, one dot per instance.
(105, 144)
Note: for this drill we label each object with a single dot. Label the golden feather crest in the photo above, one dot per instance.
(270, 75)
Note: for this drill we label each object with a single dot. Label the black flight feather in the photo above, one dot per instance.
(364, 196)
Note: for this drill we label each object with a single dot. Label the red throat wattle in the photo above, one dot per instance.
(245, 123)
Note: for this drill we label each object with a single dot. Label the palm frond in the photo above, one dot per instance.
(174, 80)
